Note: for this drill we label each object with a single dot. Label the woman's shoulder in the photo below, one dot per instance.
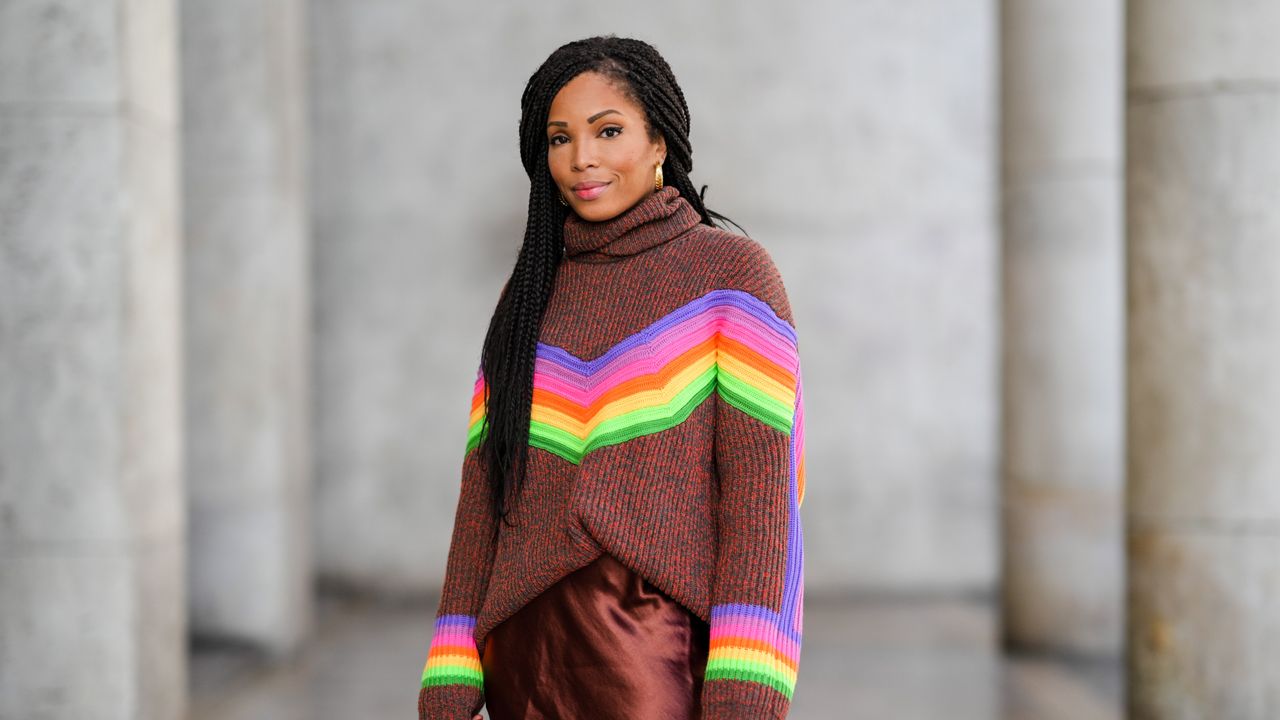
(735, 248)
(740, 263)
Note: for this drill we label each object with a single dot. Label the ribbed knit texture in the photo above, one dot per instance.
(667, 430)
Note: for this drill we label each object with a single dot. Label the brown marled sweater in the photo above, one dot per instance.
(667, 430)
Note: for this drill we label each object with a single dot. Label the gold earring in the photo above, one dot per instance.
(657, 178)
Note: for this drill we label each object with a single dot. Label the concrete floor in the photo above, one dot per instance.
(872, 660)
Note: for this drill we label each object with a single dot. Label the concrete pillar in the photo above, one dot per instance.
(92, 536)
(1203, 196)
(1062, 483)
(247, 319)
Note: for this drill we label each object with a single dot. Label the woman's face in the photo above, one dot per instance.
(598, 149)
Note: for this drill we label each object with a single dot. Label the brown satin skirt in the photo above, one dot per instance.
(601, 643)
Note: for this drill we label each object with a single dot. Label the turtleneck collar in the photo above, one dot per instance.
(661, 216)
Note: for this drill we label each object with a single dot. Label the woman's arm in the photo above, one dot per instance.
(452, 679)
(758, 593)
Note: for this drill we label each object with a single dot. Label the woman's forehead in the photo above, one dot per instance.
(589, 94)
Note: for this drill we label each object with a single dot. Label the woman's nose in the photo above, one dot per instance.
(583, 155)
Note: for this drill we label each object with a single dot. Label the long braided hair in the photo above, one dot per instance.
(507, 362)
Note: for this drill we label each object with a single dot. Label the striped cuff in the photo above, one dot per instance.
(452, 659)
(750, 642)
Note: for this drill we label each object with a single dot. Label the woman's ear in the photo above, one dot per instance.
(662, 149)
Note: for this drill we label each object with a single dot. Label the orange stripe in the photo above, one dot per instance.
(453, 650)
(800, 480)
(766, 366)
(733, 641)
(657, 381)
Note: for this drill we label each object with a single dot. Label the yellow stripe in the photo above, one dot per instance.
(650, 398)
(471, 663)
(748, 373)
(732, 654)
(635, 401)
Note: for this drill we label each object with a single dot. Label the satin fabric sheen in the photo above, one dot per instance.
(601, 643)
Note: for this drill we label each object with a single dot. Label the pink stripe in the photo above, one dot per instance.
(649, 357)
(799, 422)
(652, 358)
(584, 391)
(452, 637)
(777, 353)
(757, 633)
(737, 323)
(729, 320)
(668, 344)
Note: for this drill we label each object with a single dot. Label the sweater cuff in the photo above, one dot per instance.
(742, 700)
(449, 702)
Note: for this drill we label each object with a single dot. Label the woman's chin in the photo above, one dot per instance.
(594, 212)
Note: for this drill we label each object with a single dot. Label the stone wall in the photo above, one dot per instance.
(854, 140)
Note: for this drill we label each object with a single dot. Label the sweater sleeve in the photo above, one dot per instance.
(758, 591)
(452, 679)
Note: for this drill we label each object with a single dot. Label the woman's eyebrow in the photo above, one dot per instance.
(590, 120)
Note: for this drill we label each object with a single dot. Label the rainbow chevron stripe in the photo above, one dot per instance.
(727, 341)
(452, 659)
(752, 643)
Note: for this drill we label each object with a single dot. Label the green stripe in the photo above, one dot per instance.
(749, 672)
(476, 432)
(627, 426)
(756, 403)
(441, 675)
(644, 421)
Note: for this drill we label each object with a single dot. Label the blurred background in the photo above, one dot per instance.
(249, 250)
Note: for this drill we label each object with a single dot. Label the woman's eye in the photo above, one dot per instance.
(616, 130)
(554, 140)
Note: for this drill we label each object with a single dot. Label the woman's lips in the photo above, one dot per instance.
(590, 193)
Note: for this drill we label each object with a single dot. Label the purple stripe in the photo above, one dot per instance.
(659, 350)
(460, 621)
(716, 298)
(792, 590)
(664, 347)
(721, 613)
(791, 579)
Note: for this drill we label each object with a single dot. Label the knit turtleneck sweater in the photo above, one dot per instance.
(667, 429)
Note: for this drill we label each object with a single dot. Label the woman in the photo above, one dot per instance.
(627, 541)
